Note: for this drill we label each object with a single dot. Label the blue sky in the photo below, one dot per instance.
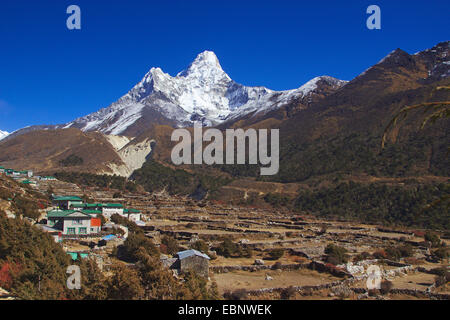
(51, 75)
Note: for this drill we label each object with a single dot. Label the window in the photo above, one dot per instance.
(82, 231)
(70, 230)
(77, 222)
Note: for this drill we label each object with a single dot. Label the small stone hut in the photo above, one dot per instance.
(192, 260)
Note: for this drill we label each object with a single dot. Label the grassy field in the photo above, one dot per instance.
(257, 280)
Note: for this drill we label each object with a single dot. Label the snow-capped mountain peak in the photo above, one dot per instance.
(206, 63)
(202, 92)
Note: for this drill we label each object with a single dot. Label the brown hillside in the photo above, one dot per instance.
(42, 151)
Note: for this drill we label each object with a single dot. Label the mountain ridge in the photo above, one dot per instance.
(202, 92)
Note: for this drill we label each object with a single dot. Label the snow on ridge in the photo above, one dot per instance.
(3, 134)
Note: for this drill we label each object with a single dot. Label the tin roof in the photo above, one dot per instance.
(91, 211)
(46, 228)
(77, 205)
(113, 205)
(64, 213)
(109, 237)
(93, 205)
(67, 198)
(131, 211)
(59, 213)
(188, 253)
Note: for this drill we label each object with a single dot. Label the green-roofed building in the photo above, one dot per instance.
(109, 209)
(86, 206)
(77, 206)
(73, 255)
(131, 211)
(70, 222)
(92, 212)
(47, 178)
(65, 202)
(94, 206)
(76, 255)
(132, 214)
(112, 205)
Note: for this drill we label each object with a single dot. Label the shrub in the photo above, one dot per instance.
(229, 249)
(433, 238)
(373, 292)
(380, 254)
(201, 246)
(335, 254)
(441, 253)
(332, 260)
(406, 250)
(277, 266)
(393, 253)
(26, 207)
(238, 294)
(131, 247)
(440, 281)
(72, 160)
(362, 256)
(288, 293)
(171, 244)
(386, 286)
(276, 254)
(403, 251)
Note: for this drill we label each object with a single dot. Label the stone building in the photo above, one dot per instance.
(192, 260)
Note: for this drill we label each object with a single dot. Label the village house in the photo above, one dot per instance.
(47, 178)
(73, 223)
(15, 173)
(29, 182)
(77, 206)
(25, 173)
(132, 214)
(109, 209)
(192, 260)
(65, 202)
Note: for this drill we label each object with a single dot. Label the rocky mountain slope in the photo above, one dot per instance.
(49, 151)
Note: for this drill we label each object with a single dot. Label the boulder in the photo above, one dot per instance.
(259, 262)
